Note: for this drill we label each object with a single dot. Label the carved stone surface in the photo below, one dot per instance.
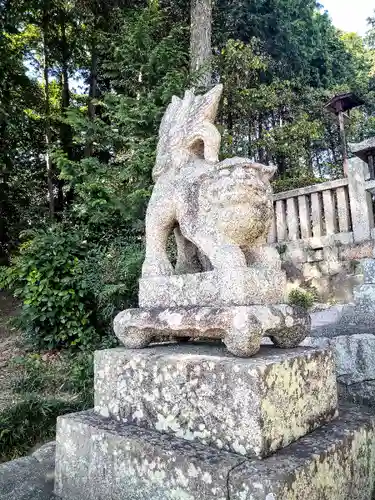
(240, 327)
(335, 462)
(30, 477)
(200, 392)
(98, 458)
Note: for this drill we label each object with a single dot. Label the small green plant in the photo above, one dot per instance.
(282, 248)
(56, 373)
(301, 298)
(288, 183)
(48, 385)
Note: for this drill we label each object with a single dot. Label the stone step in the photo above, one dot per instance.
(201, 393)
(98, 458)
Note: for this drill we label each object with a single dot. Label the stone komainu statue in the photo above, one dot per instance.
(221, 212)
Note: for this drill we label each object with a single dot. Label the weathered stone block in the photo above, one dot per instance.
(237, 287)
(368, 267)
(362, 393)
(364, 297)
(357, 251)
(354, 356)
(315, 255)
(27, 479)
(240, 327)
(249, 406)
(98, 458)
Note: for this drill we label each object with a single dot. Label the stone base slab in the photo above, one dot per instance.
(240, 327)
(201, 393)
(238, 287)
(30, 477)
(336, 462)
(98, 458)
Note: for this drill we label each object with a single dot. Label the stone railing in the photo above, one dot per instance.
(336, 211)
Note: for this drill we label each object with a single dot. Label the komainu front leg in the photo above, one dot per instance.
(223, 256)
(266, 257)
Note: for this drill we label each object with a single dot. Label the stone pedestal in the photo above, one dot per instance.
(240, 327)
(202, 393)
(239, 306)
(254, 285)
(182, 422)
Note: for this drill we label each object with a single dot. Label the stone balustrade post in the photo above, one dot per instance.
(360, 200)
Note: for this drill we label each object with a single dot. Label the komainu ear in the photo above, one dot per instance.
(269, 171)
(266, 171)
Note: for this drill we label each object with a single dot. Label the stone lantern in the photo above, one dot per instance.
(340, 105)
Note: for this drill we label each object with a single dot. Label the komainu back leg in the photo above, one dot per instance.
(187, 255)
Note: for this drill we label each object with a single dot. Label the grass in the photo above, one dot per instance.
(48, 385)
(28, 422)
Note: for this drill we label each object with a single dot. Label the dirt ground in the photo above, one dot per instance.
(9, 348)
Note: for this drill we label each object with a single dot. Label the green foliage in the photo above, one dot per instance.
(287, 183)
(274, 120)
(112, 187)
(66, 375)
(302, 298)
(74, 276)
(71, 288)
(47, 385)
(111, 275)
(298, 36)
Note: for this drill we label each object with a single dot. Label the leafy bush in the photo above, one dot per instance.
(48, 385)
(301, 298)
(71, 288)
(111, 276)
(47, 276)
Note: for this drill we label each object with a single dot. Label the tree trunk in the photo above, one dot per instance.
(66, 136)
(6, 161)
(92, 95)
(48, 132)
(230, 124)
(200, 40)
(250, 139)
(261, 154)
